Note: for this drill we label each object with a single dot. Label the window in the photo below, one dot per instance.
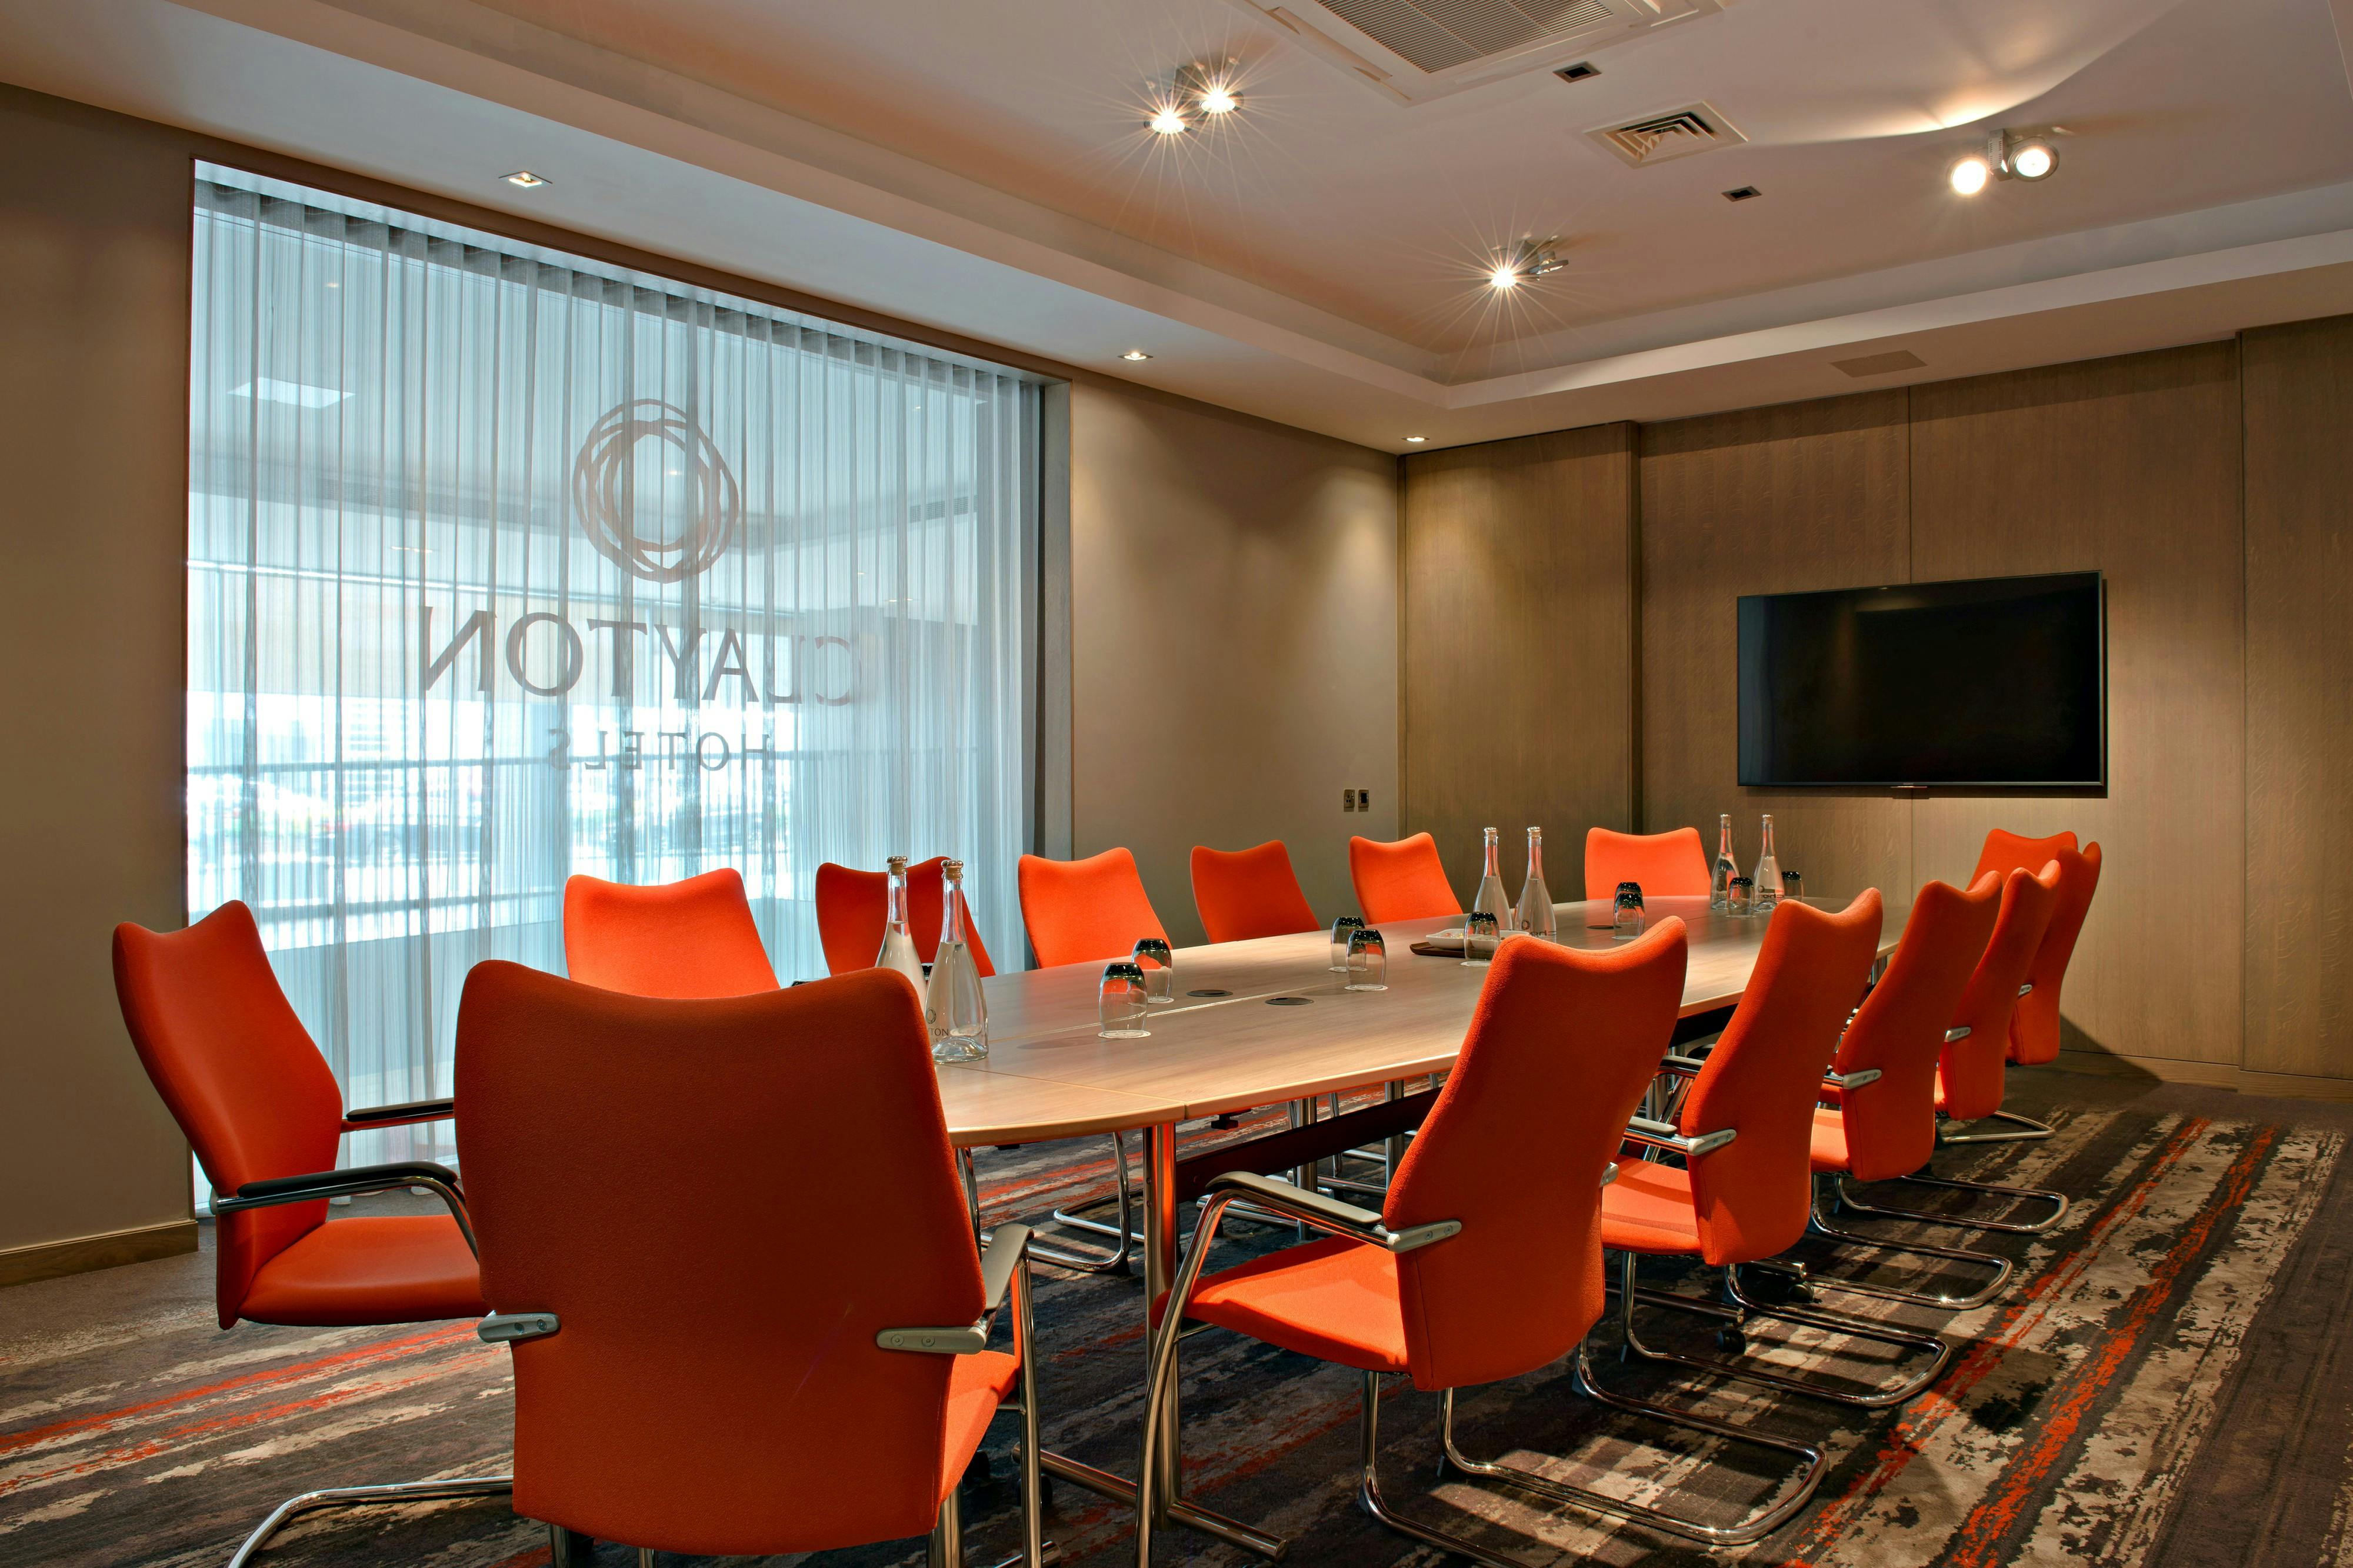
(504, 564)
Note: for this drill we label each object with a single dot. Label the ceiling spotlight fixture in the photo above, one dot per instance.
(2021, 154)
(526, 179)
(1136, 354)
(1168, 121)
(1415, 440)
(1209, 85)
(1529, 259)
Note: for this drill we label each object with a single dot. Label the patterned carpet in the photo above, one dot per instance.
(2168, 1380)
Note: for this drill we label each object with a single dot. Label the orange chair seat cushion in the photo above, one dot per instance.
(1830, 1151)
(1649, 1208)
(388, 1268)
(980, 1382)
(1335, 1300)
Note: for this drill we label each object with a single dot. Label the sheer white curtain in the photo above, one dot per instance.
(504, 564)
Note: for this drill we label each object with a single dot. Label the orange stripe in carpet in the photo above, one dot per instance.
(1943, 1402)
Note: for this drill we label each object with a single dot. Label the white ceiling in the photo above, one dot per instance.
(982, 169)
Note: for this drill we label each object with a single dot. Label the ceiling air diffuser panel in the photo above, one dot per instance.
(1420, 50)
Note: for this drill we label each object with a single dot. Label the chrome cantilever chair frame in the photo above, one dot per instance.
(358, 1182)
(1003, 1270)
(2032, 1131)
(1658, 1137)
(1816, 1224)
(1112, 1262)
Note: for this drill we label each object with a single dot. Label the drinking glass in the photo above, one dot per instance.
(1120, 1011)
(1627, 920)
(1742, 896)
(1368, 961)
(1793, 887)
(1159, 967)
(1341, 929)
(1482, 935)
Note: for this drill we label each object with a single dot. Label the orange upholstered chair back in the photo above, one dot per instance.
(1891, 1124)
(1558, 1053)
(1244, 893)
(694, 938)
(1082, 912)
(853, 905)
(1400, 881)
(2008, 852)
(2034, 1023)
(238, 1072)
(722, 1204)
(1668, 865)
(1969, 1074)
(1764, 1078)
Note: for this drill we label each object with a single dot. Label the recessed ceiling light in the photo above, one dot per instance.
(526, 179)
(1583, 70)
(1741, 194)
(1207, 84)
(1970, 174)
(1136, 354)
(1168, 123)
(1415, 440)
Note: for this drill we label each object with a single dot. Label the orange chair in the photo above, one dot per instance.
(1485, 1262)
(677, 1205)
(1246, 893)
(1400, 881)
(1084, 911)
(852, 906)
(1969, 1074)
(258, 1105)
(1744, 1190)
(1667, 865)
(1880, 1121)
(694, 938)
(2034, 1024)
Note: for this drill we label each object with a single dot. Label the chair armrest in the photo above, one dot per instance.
(1848, 1080)
(1609, 1173)
(1955, 1035)
(414, 1111)
(2027, 987)
(1008, 1250)
(356, 1181)
(1653, 1134)
(1330, 1215)
(1682, 1067)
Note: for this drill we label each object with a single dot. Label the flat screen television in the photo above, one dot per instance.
(1997, 683)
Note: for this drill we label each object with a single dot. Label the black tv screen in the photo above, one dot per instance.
(1999, 681)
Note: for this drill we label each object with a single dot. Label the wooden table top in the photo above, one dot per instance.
(1049, 1075)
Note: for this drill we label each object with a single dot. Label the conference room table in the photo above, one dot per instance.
(1263, 1023)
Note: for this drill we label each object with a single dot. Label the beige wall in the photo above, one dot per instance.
(1233, 641)
(93, 440)
(2212, 497)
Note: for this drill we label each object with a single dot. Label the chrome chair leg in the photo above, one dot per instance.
(1369, 1488)
(946, 1547)
(2059, 1202)
(569, 1548)
(1816, 1224)
(1744, 1308)
(1755, 1527)
(1113, 1262)
(361, 1497)
(645, 1557)
(2031, 1131)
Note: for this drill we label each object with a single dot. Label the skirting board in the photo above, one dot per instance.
(52, 1259)
(2213, 1075)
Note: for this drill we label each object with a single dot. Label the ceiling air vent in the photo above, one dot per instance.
(1678, 133)
(1416, 50)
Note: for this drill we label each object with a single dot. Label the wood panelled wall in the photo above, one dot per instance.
(2210, 484)
(1517, 595)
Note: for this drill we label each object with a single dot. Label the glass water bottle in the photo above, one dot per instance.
(1719, 888)
(898, 941)
(954, 1005)
(1491, 900)
(1768, 873)
(1536, 899)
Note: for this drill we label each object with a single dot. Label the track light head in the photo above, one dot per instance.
(1529, 258)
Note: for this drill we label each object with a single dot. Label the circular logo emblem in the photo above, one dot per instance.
(603, 498)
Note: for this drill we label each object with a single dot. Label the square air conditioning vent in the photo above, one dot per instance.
(1416, 50)
(1677, 134)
